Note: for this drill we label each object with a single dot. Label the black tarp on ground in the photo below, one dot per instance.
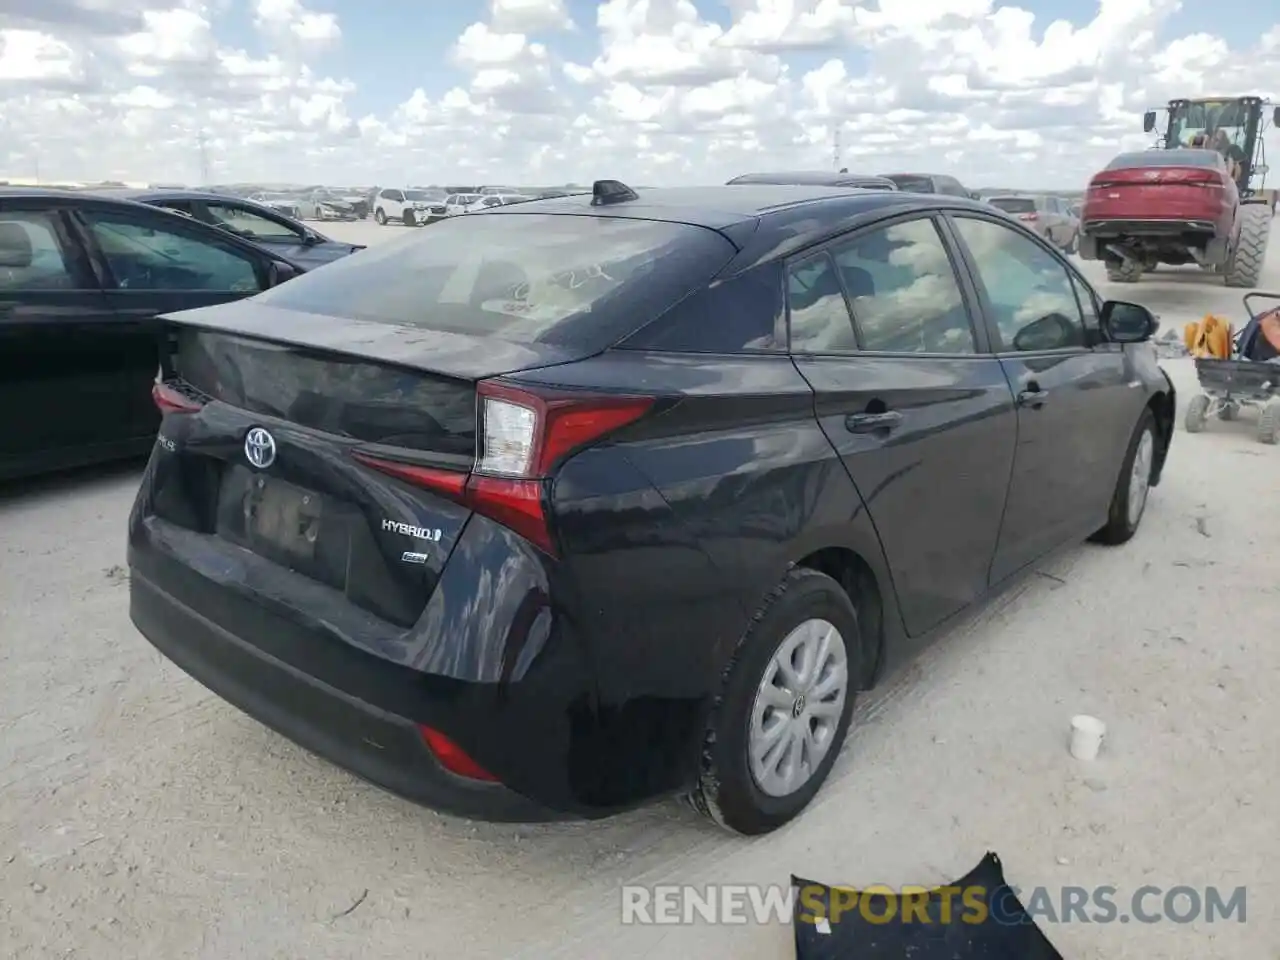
(985, 920)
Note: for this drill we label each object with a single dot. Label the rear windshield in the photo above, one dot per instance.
(1165, 158)
(911, 183)
(1014, 204)
(524, 278)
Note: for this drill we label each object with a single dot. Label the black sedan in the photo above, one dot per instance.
(251, 221)
(563, 506)
(82, 279)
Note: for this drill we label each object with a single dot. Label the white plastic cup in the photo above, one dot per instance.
(1086, 736)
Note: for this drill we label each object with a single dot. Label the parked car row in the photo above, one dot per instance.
(419, 207)
(570, 504)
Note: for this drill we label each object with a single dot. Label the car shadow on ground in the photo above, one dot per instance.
(27, 492)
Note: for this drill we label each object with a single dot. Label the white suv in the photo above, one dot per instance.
(410, 207)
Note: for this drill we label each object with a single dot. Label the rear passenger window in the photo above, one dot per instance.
(733, 316)
(30, 255)
(904, 291)
(820, 321)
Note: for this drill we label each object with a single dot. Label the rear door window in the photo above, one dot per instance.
(526, 278)
(904, 291)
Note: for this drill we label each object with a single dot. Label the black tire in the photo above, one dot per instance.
(409, 219)
(1126, 271)
(1197, 413)
(1244, 266)
(380, 216)
(1269, 422)
(1073, 245)
(1120, 526)
(727, 791)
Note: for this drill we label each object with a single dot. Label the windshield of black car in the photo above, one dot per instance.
(1014, 204)
(911, 183)
(522, 277)
(1165, 158)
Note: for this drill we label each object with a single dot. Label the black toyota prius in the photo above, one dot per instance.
(561, 507)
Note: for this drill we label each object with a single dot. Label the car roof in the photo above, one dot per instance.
(147, 195)
(817, 178)
(109, 194)
(763, 220)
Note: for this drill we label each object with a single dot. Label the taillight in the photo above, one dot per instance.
(1029, 217)
(169, 400)
(452, 757)
(523, 434)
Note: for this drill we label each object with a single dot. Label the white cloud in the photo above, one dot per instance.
(651, 90)
(529, 16)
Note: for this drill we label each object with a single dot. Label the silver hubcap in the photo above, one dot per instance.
(1140, 478)
(797, 708)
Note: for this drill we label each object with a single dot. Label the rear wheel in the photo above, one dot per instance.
(1244, 266)
(380, 216)
(1124, 271)
(1269, 422)
(1197, 411)
(785, 707)
(1129, 500)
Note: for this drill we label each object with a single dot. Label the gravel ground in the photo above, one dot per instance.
(141, 817)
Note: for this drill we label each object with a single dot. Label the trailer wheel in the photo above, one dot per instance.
(1244, 266)
(1196, 413)
(1269, 422)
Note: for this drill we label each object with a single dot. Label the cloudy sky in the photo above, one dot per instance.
(655, 91)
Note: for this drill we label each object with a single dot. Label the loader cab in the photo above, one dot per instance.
(1232, 125)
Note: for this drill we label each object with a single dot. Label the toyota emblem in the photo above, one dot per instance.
(260, 448)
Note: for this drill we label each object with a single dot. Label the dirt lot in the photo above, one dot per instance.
(141, 817)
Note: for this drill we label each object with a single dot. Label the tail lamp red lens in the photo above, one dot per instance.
(452, 757)
(524, 435)
(169, 400)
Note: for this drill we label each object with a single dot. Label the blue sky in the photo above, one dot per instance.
(390, 47)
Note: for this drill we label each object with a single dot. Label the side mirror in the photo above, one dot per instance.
(1127, 322)
(1053, 331)
(279, 272)
(1148, 121)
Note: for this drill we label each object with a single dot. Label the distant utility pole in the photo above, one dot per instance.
(203, 141)
(835, 149)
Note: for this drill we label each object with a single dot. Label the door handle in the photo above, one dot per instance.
(871, 422)
(1033, 398)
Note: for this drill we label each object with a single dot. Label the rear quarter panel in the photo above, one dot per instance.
(732, 483)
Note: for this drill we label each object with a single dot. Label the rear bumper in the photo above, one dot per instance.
(378, 746)
(1154, 227)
